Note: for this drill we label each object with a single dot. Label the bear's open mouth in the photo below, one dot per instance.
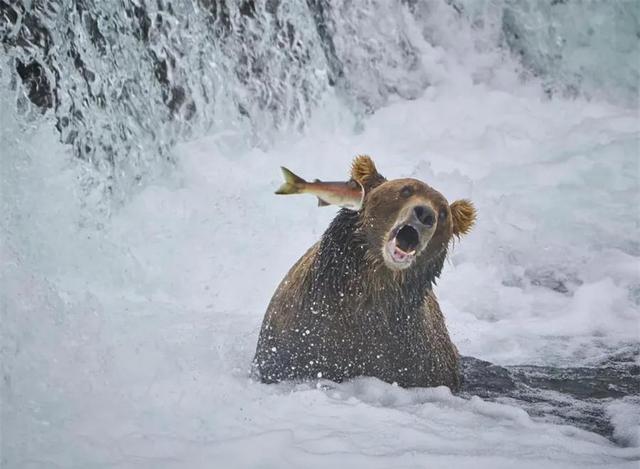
(407, 238)
(403, 244)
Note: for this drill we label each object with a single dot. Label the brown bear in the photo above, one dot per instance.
(360, 302)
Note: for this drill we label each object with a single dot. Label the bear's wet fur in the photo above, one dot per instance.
(342, 311)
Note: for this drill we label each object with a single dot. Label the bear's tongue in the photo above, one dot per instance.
(400, 255)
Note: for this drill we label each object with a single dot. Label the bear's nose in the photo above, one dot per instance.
(425, 215)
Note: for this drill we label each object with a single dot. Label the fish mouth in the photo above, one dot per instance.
(401, 249)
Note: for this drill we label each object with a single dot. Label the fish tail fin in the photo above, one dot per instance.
(291, 183)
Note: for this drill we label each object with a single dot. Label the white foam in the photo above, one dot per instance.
(625, 417)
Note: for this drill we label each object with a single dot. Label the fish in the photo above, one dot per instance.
(347, 194)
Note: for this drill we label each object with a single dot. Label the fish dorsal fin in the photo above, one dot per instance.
(317, 180)
(322, 203)
(364, 172)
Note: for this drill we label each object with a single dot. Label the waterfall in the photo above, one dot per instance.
(125, 80)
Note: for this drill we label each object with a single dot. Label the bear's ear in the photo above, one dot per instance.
(364, 171)
(463, 216)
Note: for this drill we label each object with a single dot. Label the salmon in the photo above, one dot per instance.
(349, 194)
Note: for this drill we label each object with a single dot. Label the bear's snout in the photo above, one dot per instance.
(424, 215)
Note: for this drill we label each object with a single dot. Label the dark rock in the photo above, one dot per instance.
(36, 83)
(576, 395)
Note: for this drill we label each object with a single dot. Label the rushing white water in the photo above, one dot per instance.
(127, 340)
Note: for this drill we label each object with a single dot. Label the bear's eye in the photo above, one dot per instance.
(406, 191)
(442, 215)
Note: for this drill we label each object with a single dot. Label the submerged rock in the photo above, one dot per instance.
(574, 395)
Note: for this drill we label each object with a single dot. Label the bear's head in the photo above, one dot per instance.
(406, 222)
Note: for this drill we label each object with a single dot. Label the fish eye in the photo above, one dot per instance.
(406, 191)
(442, 215)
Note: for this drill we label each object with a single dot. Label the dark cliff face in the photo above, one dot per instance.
(126, 80)
(28, 29)
(23, 29)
